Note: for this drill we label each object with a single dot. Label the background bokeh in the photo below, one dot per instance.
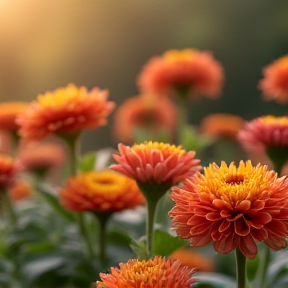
(49, 43)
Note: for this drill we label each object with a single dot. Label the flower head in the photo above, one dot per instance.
(274, 85)
(155, 162)
(182, 71)
(221, 125)
(144, 112)
(41, 155)
(263, 132)
(153, 273)
(233, 207)
(9, 169)
(20, 190)
(66, 110)
(8, 114)
(98, 192)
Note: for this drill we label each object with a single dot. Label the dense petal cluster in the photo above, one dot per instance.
(66, 110)
(154, 162)
(221, 125)
(9, 169)
(233, 207)
(153, 273)
(263, 132)
(144, 112)
(190, 71)
(104, 191)
(8, 114)
(274, 85)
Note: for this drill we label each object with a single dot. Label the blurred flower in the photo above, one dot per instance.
(233, 207)
(156, 163)
(182, 71)
(8, 113)
(9, 168)
(20, 190)
(98, 192)
(274, 85)
(66, 110)
(41, 156)
(153, 273)
(193, 259)
(144, 112)
(263, 132)
(221, 125)
(5, 141)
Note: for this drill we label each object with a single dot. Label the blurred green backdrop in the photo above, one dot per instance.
(49, 43)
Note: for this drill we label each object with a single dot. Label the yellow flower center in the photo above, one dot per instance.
(165, 148)
(283, 62)
(179, 55)
(68, 95)
(233, 184)
(270, 119)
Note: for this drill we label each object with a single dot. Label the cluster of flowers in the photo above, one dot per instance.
(231, 206)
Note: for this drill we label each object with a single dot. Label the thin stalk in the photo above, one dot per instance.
(183, 116)
(9, 206)
(240, 268)
(151, 209)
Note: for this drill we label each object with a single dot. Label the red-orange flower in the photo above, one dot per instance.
(274, 85)
(263, 132)
(20, 190)
(144, 112)
(41, 155)
(153, 273)
(153, 162)
(5, 141)
(98, 192)
(66, 110)
(221, 125)
(176, 71)
(8, 113)
(233, 207)
(9, 169)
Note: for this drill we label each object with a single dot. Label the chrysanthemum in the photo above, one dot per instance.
(233, 207)
(153, 273)
(156, 163)
(274, 85)
(221, 125)
(41, 155)
(263, 132)
(98, 192)
(8, 113)
(20, 190)
(9, 169)
(144, 112)
(182, 71)
(66, 110)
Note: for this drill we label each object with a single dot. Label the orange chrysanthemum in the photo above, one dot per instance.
(274, 85)
(98, 192)
(144, 112)
(193, 259)
(176, 71)
(221, 125)
(153, 273)
(39, 155)
(66, 110)
(154, 162)
(233, 207)
(263, 132)
(20, 190)
(9, 169)
(8, 114)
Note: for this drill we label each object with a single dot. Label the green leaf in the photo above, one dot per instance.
(140, 249)
(165, 244)
(215, 280)
(278, 265)
(252, 267)
(87, 162)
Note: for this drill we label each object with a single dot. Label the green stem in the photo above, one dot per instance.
(264, 266)
(151, 209)
(9, 206)
(241, 268)
(183, 116)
